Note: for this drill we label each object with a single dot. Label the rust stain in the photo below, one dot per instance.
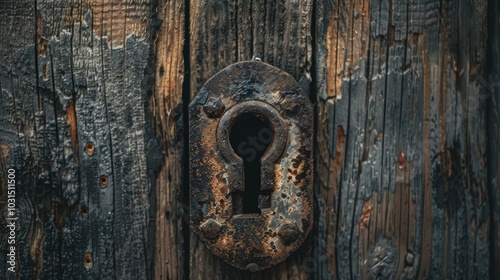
(71, 115)
(339, 149)
(365, 215)
(401, 160)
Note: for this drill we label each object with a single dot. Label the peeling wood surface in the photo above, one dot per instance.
(63, 86)
(401, 154)
(407, 133)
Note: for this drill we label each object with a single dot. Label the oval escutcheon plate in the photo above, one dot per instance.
(251, 194)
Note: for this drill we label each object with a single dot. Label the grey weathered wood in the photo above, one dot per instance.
(493, 124)
(63, 85)
(401, 139)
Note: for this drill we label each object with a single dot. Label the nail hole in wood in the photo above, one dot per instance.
(88, 260)
(85, 211)
(89, 148)
(402, 160)
(104, 181)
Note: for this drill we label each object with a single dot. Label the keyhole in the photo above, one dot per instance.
(250, 137)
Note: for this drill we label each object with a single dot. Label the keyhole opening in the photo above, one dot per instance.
(250, 137)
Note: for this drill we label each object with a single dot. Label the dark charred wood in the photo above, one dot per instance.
(93, 118)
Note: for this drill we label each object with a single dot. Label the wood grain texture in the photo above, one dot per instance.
(63, 86)
(225, 32)
(408, 133)
(493, 123)
(167, 112)
(278, 32)
(401, 154)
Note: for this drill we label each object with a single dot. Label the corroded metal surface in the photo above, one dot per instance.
(260, 240)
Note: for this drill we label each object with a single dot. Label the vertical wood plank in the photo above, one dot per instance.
(225, 32)
(401, 145)
(167, 112)
(19, 102)
(64, 84)
(493, 123)
(407, 161)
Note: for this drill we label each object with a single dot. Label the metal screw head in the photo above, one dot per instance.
(211, 229)
(289, 233)
(213, 107)
(252, 267)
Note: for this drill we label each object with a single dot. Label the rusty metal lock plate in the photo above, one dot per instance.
(251, 204)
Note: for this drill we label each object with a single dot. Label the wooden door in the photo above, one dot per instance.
(93, 140)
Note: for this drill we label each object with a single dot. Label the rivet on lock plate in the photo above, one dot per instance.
(251, 170)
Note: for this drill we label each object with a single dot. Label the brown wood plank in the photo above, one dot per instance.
(222, 33)
(171, 216)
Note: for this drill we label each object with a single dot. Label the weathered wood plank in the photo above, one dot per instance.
(407, 161)
(167, 113)
(401, 139)
(493, 124)
(15, 115)
(63, 85)
(223, 33)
